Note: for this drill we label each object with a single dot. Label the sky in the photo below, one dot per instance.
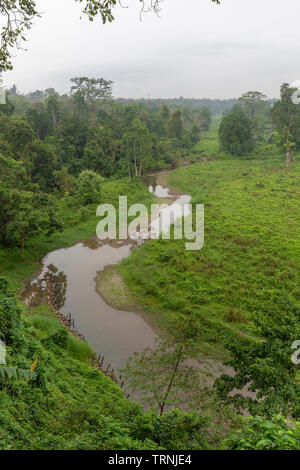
(195, 49)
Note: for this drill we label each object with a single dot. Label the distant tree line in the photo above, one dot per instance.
(255, 120)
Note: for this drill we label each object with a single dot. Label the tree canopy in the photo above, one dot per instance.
(236, 133)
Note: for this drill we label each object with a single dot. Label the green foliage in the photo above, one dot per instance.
(265, 368)
(244, 264)
(89, 187)
(44, 164)
(79, 350)
(162, 375)
(175, 126)
(260, 434)
(176, 429)
(10, 316)
(10, 372)
(66, 404)
(236, 133)
(92, 89)
(27, 214)
(138, 143)
(286, 118)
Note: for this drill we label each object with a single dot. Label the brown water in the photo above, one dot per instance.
(112, 333)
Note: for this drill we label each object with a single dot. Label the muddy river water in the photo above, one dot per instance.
(112, 333)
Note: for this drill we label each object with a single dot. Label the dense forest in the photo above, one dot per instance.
(56, 148)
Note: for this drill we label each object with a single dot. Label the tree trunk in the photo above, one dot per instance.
(54, 119)
(287, 152)
(22, 243)
(135, 162)
(162, 406)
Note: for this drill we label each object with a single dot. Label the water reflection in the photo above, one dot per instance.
(58, 282)
(112, 333)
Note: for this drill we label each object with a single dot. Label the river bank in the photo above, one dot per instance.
(114, 331)
(77, 226)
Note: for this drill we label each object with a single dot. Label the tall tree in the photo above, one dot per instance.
(175, 126)
(138, 147)
(27, 214)
(163, 374)
(283, 115)
(92, 90)
(251, 102)
(236, 133)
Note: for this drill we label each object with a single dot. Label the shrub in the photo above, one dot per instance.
(236, 133)
(10, 315)
(89, 187)
(80, 349)
(260, 434)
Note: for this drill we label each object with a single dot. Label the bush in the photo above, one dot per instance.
(260, 434)
(176, 429)
(59, 338)
(89, 187)
(10, 315)
(80, 350)
(47, 324)
(236, 133)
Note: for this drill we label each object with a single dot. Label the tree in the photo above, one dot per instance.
(175, 126)
(252, 102)
(256, 106)
(64, 182)
(89, 187)
(73, 136)
(13, 90)
(10, 315)
(236, 133)
(138, 148)
(19, 15)
(27, 214)
(92, 90)
(19, 134)
(7, 108)
(283, 115)
(162, 375)
(265, 367)
(39, 120)
(195, 134)
(165, 112)
(52, 104)
(44, 163)
(100, 153)
(13, 174)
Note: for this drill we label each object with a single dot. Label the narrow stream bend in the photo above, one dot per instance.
(112, 333)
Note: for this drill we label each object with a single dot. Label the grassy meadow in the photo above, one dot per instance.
(251, 251)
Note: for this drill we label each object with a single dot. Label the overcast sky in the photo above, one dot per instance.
(196, 49)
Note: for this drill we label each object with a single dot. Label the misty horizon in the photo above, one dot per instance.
(211, 51)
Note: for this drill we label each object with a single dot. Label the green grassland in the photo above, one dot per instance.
(251, 251)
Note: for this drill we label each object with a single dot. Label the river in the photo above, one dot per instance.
(112, 333)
